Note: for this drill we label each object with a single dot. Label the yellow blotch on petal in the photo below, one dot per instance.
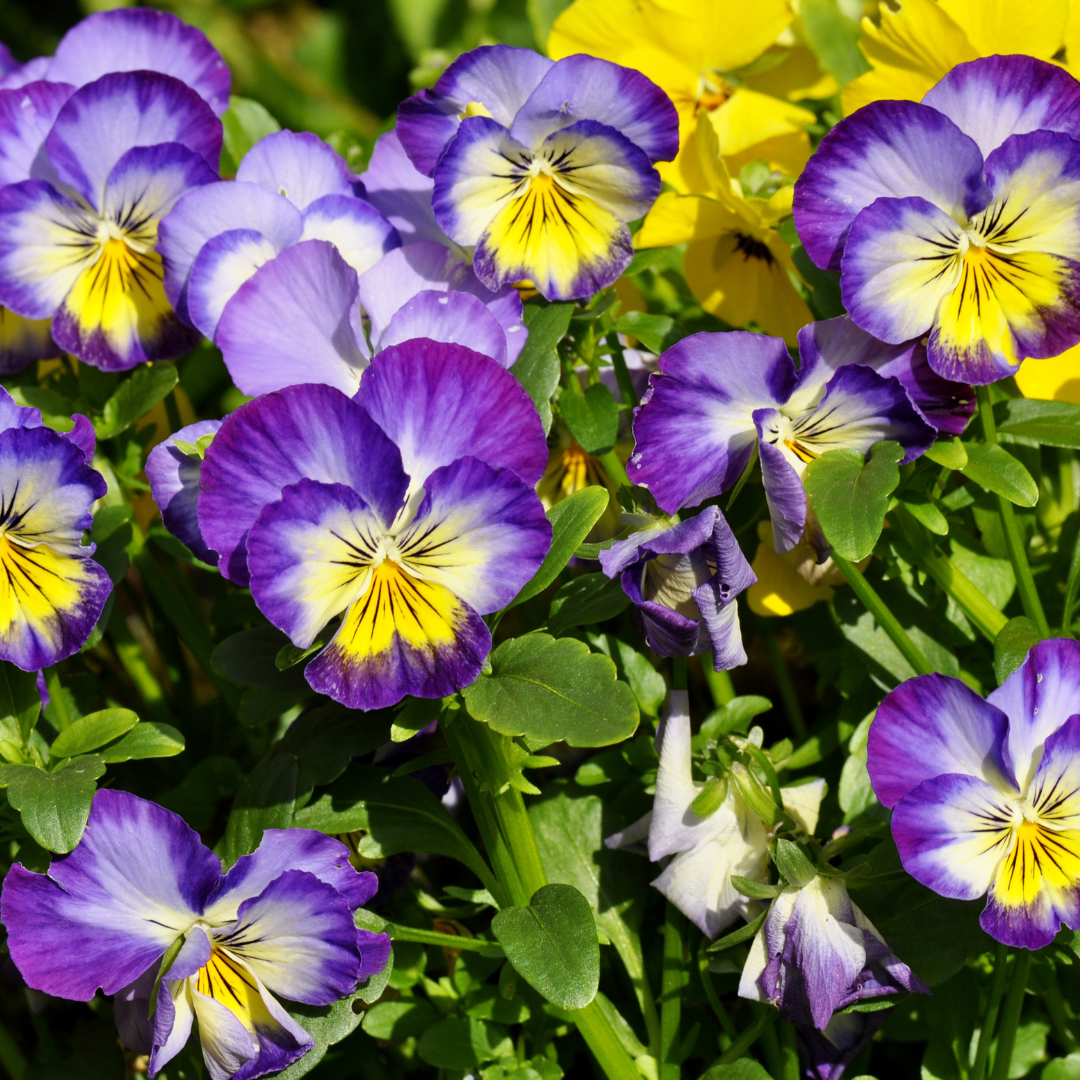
(1055, 379)
(36, 585)
(230, 984)
(570, 469)
(1041, 859)
(790, 582)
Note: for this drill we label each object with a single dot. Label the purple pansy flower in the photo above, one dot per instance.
(683, 579)
(718, 396)
(278, 924)
(51, 591)
(991, 803)
(538, 165)
(408, 510)
(78, 241)
(957, 218)
(818, 953)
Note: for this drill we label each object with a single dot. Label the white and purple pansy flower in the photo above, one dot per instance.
(279, 924)
(78, 242)
(684, 578)
(408, 511)
(958, 218)
(538, 165)
(817, 953)
(51, 590)
(991, 803)
(717, 397)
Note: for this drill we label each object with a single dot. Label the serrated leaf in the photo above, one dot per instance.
(553, 946)
(591, 598)
(92, 731)
(537, 368)
(150, 739)
(996, 470)
(55, 805)
(850, 495)
(592, 417)
(135, 397)
(1052, 423)
(553, 690)
(571, 521)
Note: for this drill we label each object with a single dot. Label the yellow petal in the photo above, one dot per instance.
(604, 28)
(1031, 27)
(796, 78)
(748, 118)
(1056, 379)
(785, 153)
(676, 219)
(780, 588)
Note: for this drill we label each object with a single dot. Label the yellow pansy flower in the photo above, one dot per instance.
(1055, 379)
(718, 61)
(922, 40)
(736, 264)
(790, 582)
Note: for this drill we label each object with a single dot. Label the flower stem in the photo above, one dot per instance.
(993, 1004)
(447, 941)
(1014, 536)
(674, 979)
(678, 673)
(886, 619)
(711, 995)
(11, 1057)
(719, 682)
(622, 373)
(1010, 1015)
(1071, 588)
(784, 682)
(748, 1037)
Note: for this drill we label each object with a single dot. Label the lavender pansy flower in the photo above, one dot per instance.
(539, 165)
(408, 511)
(279, 924)
(818, 953)
(683, 579)
(51, 591)
(707, 851)
(957, 218)
(79, 245)
(991, 803)
(717, 397)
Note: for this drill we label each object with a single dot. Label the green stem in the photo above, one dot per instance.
(131, 656)
(720, 684)
(770, 1051)
(1059, 1019)
(983, 615)
(748, 1037)
(886, 619)
(674, 976)
(678, 673)
(11, 1057)
(784, 682)
(602, 1040)
(711, 995)
(622, 373)
(1071, 588)
(1010, 1015)
(447, 941)
(789, 1048)
(1014, 536)
(615, 469)
(989, 1020)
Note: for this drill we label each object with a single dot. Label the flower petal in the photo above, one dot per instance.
(402, 194)
(955, 730)
(26, 118)
(294, 321)
(890, 149)
(695, 429)
(139, 39)
(299, 432)
(454, 318)
(439, 402)
(784, 491)
(359, 232)
(227, 1044)
(298, 165)
(24, 340)
(101, 917)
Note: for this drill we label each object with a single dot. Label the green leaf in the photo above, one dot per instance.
(20, 706)
(399, 1019)
(462, 1043)
(92, 731)
(150, 739)
(734, 716)
(1011, 645)
(591, 598)
(327, 1025)
(949, 453)
(553, 946)
(737, 937)
(1052, 423)
(325, 739)
(1066, 1068)
(54, 805)
(756, 890)
(743, 1069)
(397, 814)
(265, 801)
(571, 521)
(249, 659)
(553, 690)
(245, 122)
(636, 669)
(794, 863)
(135, 397)
(537, 368)
(925, 511)
(996, 470)
(850, 495)
(592, 417)
(834, 39)
(655, 332)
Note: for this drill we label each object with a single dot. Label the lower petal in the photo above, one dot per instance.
(784, 490)
(455, 318)
(24, 340)
(227, 1043)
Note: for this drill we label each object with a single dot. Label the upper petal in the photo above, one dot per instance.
(27, 115)
(955, 730)
(298, 165)
(400, 192)
(890, 149)
(454, 318)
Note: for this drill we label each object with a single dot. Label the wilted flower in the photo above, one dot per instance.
(279, 923)
(957, 218)
(817, 953)
(990, 805)
(539, 165)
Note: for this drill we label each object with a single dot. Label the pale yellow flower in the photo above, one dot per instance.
(791, 582)
(1055, 379)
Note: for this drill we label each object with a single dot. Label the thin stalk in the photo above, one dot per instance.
(789, 1048)
(11, 1057)
(1059, 1019)
(447, 941)
(674, 978)
(1071, 589)
(886, 619)
(711, 995)
(770, 1051)
(784, 682)
(993, 1004)
(748, 1037)
(615, 469)
(604, 1043)
(720, 684)
(983, 615)
(634, 962)
(622, 372)
(1014, 536)
(1010, 1015)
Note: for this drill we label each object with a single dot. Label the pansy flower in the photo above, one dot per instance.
(683, 579)
(990, 805)
(718, 397)
(279, 924)
(407, 511)
(707, 851)
(540, 165)
(78, 244)
(957, 218)
(51, 591)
